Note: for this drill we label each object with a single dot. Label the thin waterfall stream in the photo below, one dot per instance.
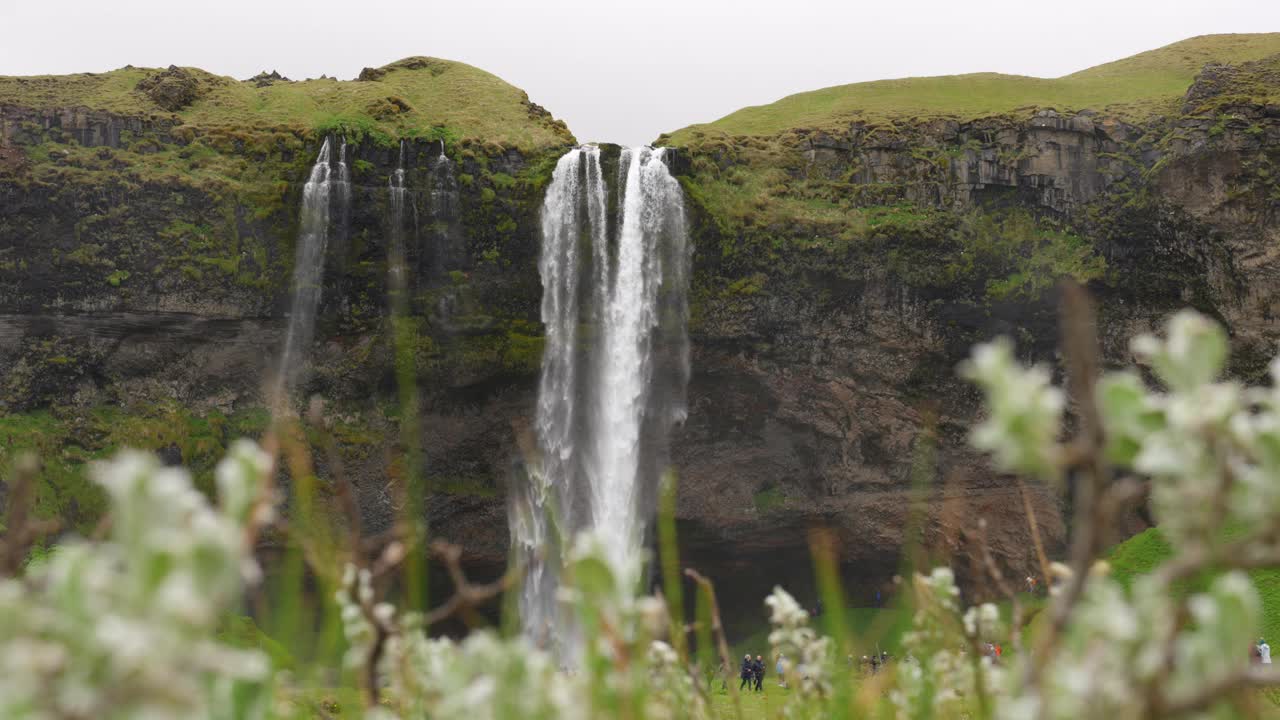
(308, 265)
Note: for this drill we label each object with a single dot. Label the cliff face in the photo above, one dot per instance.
(145, 263)
(841, 272)
(837, 297)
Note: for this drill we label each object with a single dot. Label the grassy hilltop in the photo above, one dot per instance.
(175, 189)
(414, 97)
(881, 189)
(1136, 87)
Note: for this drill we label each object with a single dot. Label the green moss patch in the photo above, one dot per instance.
(67, 441)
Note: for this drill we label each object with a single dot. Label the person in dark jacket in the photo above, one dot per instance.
(748, 671)
(759, 673)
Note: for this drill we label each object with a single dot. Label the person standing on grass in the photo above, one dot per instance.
(759, 668)
(781, 669)
(748, 670)
(1264, 651)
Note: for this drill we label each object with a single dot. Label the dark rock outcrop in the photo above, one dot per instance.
(172, 89)
(264, 78)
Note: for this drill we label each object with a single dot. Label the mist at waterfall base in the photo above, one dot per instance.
(614, 270)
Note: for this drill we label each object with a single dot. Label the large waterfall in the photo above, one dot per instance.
(613, 372)
(308, 264)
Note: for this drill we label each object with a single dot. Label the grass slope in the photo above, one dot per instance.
(870, 629)
(415, 97)
(1136, 87)
(1143, 552)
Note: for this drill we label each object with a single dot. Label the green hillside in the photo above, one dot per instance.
(1135, 87)
(1143, 552)
(415, 97)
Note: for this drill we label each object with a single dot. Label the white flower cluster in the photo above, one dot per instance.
(941, 674)
(623, 663)
(1117, 644)
(808, 663)
(1184, 439)
(124, 628)
(982, 622)
(1211, 450)
(1025, 410)
(672, 692)
(483, 677)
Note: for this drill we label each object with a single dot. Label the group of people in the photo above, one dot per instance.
(752, 672)
(873, 664)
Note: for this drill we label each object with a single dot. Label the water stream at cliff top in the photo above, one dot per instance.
(614, 370)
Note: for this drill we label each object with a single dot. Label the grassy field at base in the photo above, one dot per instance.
(1141, 554)
(755, 705)
(871, 629)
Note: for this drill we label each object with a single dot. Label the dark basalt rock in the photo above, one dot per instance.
(388, 107)
(170, 455)
(172, 89)
(264, 78)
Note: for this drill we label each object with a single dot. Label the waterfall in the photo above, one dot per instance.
(397, 267)
(653, 213)
(614, 369)
(343, 223)
(447, 241)
(308, 263)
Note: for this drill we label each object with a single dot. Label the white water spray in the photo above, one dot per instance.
(607, 398)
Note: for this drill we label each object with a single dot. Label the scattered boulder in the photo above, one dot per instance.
(265, 78)
(12, 159)
(388, 107)
(170, 455)
(171, 89)
(1213, 80)
(1218, 83)
(432, 65)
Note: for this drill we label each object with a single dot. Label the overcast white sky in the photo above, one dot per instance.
(616, 70)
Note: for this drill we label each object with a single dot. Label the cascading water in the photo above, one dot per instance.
(397, 267)
(308, 264)
(446, 239)
(608, 395)
(653, 214)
